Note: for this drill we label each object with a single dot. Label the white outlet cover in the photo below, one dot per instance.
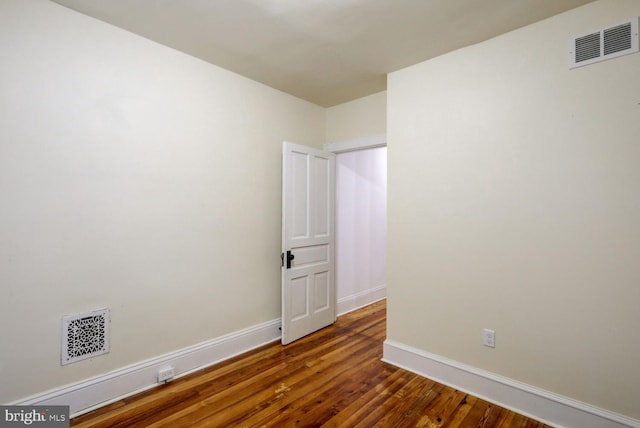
(165, 374)
(489, 338)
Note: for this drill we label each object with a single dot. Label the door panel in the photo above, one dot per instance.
(312, 255)
(299, 298)
(321, 289)
(299, 163)
(322, 195)
(308, 286)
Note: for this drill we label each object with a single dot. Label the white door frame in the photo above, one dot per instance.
(370, 142)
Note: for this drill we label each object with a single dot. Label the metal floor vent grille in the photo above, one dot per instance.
(85, 336)
(607, 43)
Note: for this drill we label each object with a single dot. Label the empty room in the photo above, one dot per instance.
(381, 213)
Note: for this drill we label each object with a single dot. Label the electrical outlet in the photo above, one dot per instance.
(489, 338)
(165, 374)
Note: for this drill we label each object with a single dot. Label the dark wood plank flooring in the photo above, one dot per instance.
(332, 378)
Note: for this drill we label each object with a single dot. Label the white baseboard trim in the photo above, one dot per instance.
(358, 300)
(545, 406)
(101, 390)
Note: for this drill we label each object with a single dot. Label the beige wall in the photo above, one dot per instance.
(132, 177)
(361, 118)
(514, 199)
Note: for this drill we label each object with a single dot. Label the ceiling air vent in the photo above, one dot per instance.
(607, 43)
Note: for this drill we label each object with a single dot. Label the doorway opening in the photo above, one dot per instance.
(321, 280)
(361, 227)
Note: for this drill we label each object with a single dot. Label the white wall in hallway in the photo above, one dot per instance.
(361, 222)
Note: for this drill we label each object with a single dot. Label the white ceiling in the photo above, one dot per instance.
(325, 51)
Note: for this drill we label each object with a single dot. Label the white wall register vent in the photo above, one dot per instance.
(607, 43)
(85, 335)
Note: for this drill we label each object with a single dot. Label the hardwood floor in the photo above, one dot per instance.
(332, 378)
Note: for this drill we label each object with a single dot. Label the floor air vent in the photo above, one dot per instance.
(85, 336)
(607, 43)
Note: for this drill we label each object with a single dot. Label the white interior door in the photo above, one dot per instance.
(308, 274)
